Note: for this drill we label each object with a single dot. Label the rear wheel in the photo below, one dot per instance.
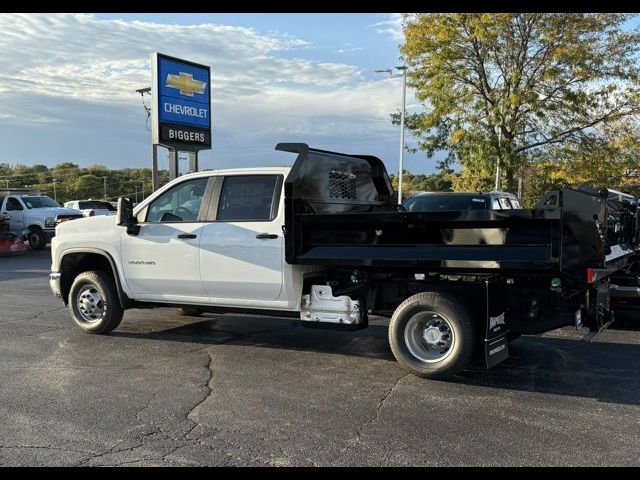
(189, 312)
(94, 302)
(432, 335)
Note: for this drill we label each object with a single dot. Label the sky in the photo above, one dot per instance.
(68, 86)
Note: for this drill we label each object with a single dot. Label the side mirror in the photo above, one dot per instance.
(125, 217)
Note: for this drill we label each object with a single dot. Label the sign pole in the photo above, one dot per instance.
(193, 161)
(173, 163)
(154, 167)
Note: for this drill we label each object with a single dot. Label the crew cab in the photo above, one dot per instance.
(34, 214)
(324, 242)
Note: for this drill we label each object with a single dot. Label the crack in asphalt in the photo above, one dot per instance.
(379, 407)
(209, 391)
(37, 315)
(45, 447)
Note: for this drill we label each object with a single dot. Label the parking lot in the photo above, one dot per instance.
(235, 390)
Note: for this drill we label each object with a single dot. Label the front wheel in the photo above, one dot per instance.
(94, 302)
(36, 239)
(432, 335)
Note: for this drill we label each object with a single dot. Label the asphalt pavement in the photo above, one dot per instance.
(239, 390)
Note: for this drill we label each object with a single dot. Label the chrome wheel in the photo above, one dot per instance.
(91, 305)
(429, 337)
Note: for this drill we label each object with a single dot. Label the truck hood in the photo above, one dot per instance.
(51, 212)
(87, 224)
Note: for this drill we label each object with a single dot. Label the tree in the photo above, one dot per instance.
(504, 88)
(611, 158)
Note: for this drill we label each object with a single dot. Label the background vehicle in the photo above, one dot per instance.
(90, 208)
(35, 213)
(437, 201)
(323, 241)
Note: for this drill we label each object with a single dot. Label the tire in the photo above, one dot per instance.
(452, 336)
(36, 238)
(94, 302)
(189, 312)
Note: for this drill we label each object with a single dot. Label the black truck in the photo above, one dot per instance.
(456, 283)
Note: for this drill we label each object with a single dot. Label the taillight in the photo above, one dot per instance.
(589, 275)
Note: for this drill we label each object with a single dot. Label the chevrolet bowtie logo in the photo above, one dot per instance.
(185, 83)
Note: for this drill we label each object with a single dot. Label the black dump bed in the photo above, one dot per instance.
(340, 211)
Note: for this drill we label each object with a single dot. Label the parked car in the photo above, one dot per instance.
(434, 201)
(91, 208)
(38, 214)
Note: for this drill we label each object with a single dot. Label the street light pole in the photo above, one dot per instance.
(403, 69)
(136, 194)
(104, 184)
(55, 193)
(404, 100)
(142, 190)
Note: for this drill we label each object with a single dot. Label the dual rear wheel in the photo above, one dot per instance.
(432, 335)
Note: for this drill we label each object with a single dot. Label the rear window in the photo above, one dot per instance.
(430, 203)
(96, 205)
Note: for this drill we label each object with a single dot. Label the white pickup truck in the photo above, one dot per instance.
(325, 242)
(36, 215)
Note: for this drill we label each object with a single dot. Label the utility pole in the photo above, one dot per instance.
(497, 187)
(104, 184)
(403, 69)
(136, 194)
(55, 193)
(142, 191)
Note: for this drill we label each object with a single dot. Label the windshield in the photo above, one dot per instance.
(430, 203)
(40, 202)
(96, 205)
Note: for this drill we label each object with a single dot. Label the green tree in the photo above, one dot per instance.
(509, 87)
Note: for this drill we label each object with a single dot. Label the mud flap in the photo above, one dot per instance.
(496, 344)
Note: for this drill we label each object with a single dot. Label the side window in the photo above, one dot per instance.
(179, 204)
(515, 203)
(249, 198)
(504, 203)
(13, 204)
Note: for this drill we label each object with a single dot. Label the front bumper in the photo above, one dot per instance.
(54, 283)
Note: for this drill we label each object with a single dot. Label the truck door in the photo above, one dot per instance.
(162, 262)
(241, 251)
(15, 210)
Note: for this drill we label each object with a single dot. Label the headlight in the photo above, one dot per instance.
(49, 222)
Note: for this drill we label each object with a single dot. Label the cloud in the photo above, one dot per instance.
(82, 56)
(391, 27)
(68, 84)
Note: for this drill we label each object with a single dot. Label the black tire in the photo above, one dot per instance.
(95, 284)
(37, 240)
(189, 312)
(447, 318)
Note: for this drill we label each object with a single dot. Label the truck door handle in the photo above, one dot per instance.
(187, 235)
(266, 235)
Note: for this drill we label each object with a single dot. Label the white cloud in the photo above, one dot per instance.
(392, 26)
(82, 56)
(67, 89)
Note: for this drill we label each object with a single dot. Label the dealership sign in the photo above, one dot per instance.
(181, 103)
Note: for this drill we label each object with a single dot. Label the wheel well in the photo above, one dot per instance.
(74, 264)
(34, 227)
